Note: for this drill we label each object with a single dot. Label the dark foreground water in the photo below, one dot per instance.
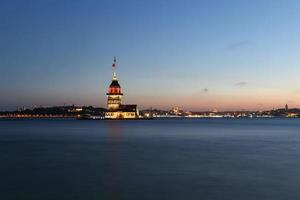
(159, 159)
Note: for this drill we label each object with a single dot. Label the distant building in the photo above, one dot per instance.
(215, 110)
(176, 111)
(115, 109)
(286, 107)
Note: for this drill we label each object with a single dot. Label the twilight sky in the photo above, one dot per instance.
(196, 54)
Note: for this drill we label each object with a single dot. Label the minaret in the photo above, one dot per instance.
(114, 93)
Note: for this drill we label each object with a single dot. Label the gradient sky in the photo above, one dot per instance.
(199, 55)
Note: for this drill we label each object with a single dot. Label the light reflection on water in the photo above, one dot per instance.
(112, 157)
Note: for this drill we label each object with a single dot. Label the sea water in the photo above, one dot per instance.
(150, 159)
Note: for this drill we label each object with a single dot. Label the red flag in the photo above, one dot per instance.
(114, 64)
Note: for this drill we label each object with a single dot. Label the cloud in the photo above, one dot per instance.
(241, 84)
(205, 90)
(239, 44)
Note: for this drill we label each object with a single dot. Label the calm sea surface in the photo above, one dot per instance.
(156, 159)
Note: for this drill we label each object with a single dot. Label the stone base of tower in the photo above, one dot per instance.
(120, 115)
(124, 112)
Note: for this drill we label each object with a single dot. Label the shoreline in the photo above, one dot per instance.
(154, 118)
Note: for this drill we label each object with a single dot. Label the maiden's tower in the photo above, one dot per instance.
(115, 108)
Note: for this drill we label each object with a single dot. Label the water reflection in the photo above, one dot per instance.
(113, 159)
(114, 131)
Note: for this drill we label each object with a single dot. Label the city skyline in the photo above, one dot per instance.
(240, 55)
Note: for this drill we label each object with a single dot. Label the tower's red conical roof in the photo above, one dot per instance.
(114, 88)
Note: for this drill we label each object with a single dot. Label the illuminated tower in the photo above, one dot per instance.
(114, 93)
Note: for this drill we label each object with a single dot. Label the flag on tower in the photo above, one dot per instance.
(114, 64)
